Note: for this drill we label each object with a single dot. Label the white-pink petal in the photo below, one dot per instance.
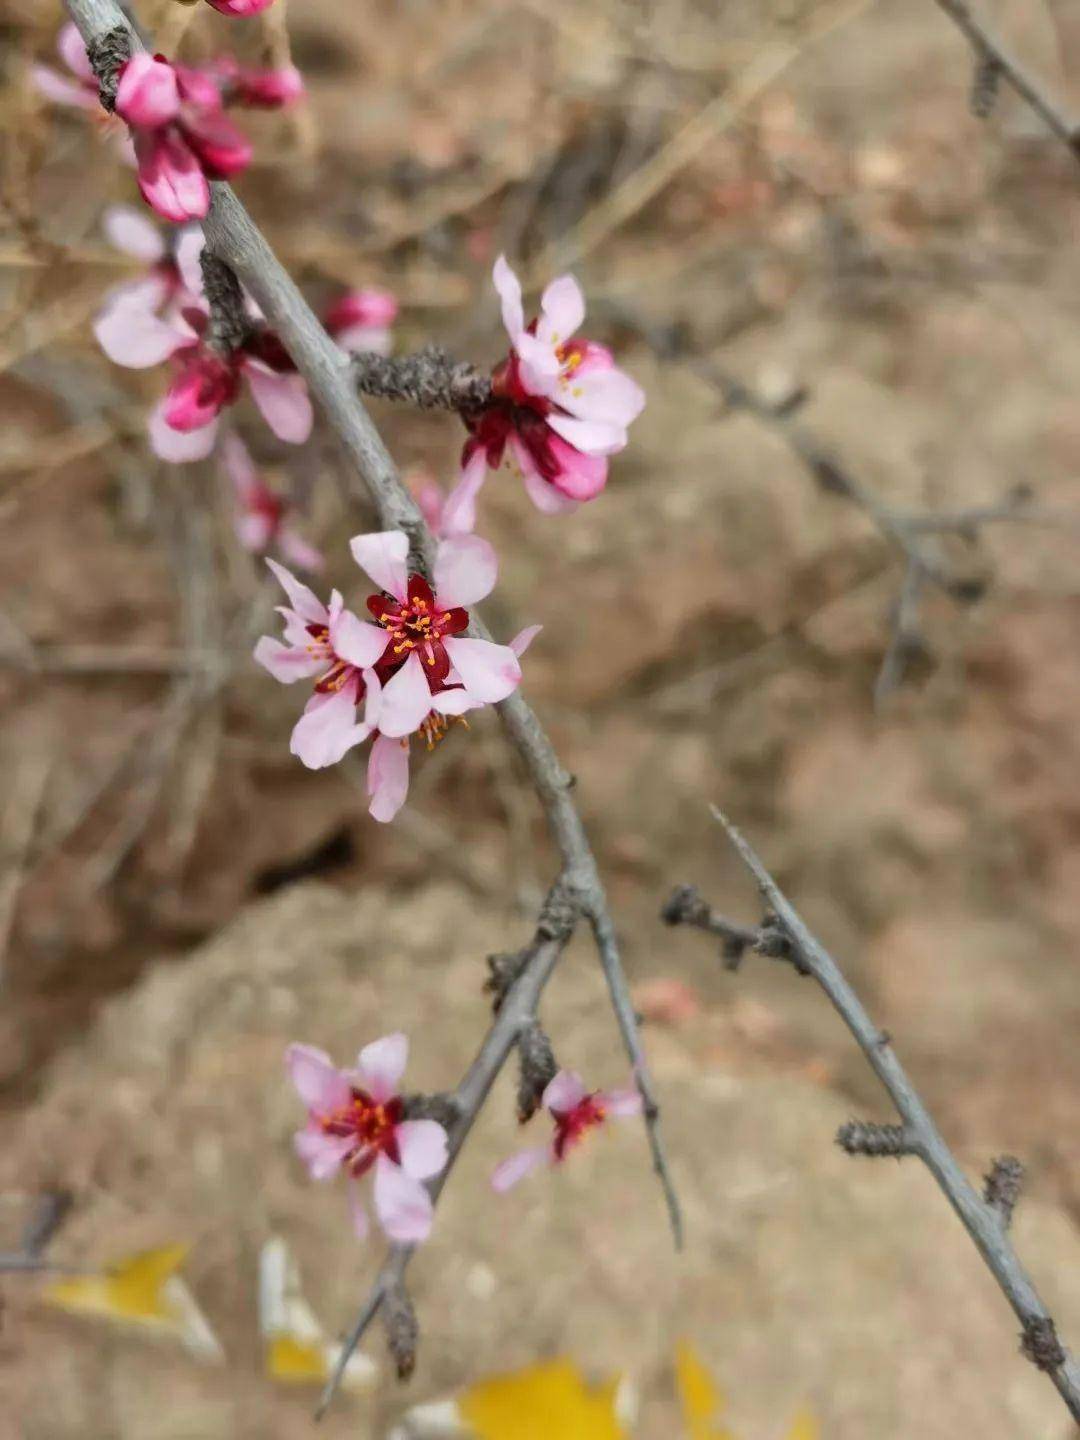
(357, 641)
(620, 1104)
(381, 1065)
(423, 1148)
(564, 1091)
(133, 336)
(304, 601)
(327, 730)
(452, 702)
(458, 513)
(297, 550)
(286, 662)
(524, 638)
(133, 233)
(402, 1204)
(283, 401)
(319, 1083)
(508, 287)
(562, 309)
(384, 556)
(387, 777)
(322, 1154)
(60, 90)
(190, 242)
(179, 447)
(71, 48)
(357, 1213)
(489, 672)
(591, 437)
(517, 1167)
(609, 396)
(465, 571)
(406, 699)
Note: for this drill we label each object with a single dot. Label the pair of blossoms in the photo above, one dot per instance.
(358, 1122)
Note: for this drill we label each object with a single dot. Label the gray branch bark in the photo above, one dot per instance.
(984, 1217)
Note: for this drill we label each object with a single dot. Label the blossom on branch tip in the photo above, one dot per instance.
(575, 1111)
(414, 670)
(560, 406)
(261, 518)
(361, 319)
(356, 1123)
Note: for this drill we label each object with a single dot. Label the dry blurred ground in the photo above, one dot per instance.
(714, 626)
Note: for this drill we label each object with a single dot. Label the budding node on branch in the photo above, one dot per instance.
(1003, 1184)
(107, 53)
(537, 1069)
(402, 1328)
(985, 86)
(1040, 1343)
(862, 1137)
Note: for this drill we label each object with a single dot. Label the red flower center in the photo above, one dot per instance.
(417, 625)
(372, 1124)
(571, 1125)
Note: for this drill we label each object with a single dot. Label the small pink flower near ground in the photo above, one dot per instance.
(575, 1112)
(356, 1123)
(261, 518)
(415, 669)
(561, 405)
(182, 136)
(362, 319)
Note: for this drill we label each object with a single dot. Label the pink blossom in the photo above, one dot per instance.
(361, 320)
(182, 136)
(240, 7)
(414, 670)
(575, 1111)
(357, 1122)
(452, 514)
(561, 406)
(261, 517)
(137, 325)
(79, 88)
(257, 89)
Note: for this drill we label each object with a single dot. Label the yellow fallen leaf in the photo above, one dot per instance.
(700, 1397)
(144, 1291)
(540, 1403)
(292, 1360)
(804, 1427)
(297, 1351)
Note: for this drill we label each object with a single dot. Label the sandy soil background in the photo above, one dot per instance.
(185, 899)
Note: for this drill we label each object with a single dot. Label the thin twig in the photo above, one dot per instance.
(232, 236)
(988, 48)
(515, 1014)
(985, 1219)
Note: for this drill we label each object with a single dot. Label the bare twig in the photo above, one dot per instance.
(235, 240)
(984, 1218)
(518, 982)
(989, 51)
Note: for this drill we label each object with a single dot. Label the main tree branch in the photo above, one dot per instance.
(233, 238)
(985, 1217)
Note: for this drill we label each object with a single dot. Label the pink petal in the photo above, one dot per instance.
(190, 242)
(564, 1091)
(422, 1145)
(381, 1065)
(255, 531)
(319, 1083)
(508, 287)
(356, 641)
(517, 1167)
(562, 309)
(607, 396)
(368, 306)
(458, 516)
(283, 401)
(488, 671)
(304, 601)
(322, 1154)
(133, 233)
(524, 638)
(240, 468)
(328, 729)
(285, 662)
(402, 1204)
(621, 1103)
(360, 1222)
(222, 148)
(147, 96)
(148, 293)
(363, 339)
(133, 336)
(298, 551)
(465, 570)
(178, 446)
(387, 777)
(62, 91)
(384, 555)
(406, 699)
(170, 178)
(452, 702)
(72, 51)
(541, 492)
(578, 476)
(591, 437)
(540, 366)
(240, 7)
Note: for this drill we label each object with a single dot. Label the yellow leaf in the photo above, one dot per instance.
(542, 1402)
(700, 1397)
(133, 1290)
(293, 1361)
(297, 1351)
(804, 1427)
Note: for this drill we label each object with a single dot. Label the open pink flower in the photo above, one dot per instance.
(413, 671)
(182, 136)
(356, 1122)
(261, 518)
(138, 323)
(361, 320)
(575, 1112)
(561, 406)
